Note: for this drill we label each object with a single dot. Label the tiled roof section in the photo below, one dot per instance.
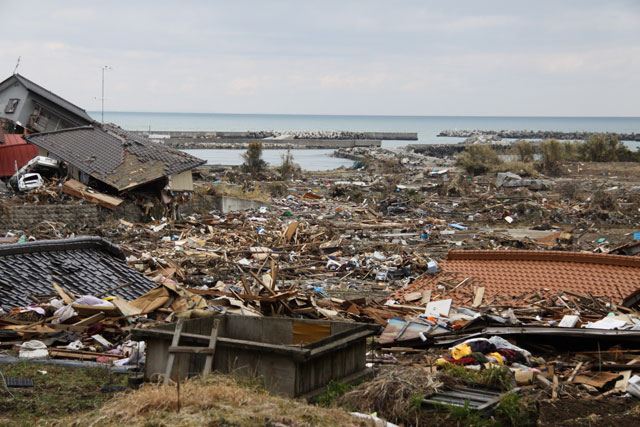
(13, 139)
(85, 266)
(516, 272)
(47, 94)
(100, 150)
(176, 161)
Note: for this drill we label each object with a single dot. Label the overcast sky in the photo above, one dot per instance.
(542, 58)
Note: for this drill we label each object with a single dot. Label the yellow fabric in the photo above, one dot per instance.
(441, 362)
(497, 356)
(460, 351)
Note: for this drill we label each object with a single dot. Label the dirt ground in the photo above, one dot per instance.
(607, 411)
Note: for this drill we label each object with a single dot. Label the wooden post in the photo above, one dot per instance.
(172, 356)
(208, 364)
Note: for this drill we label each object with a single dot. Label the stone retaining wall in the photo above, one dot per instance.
(24, 217)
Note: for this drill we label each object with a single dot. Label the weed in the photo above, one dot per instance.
(513, 410)
(495, 377)
(415, 403)
(335, 389)
(465, 415)
(498, 377)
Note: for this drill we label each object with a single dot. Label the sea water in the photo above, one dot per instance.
(427, 128)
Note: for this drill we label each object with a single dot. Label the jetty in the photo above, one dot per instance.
(274, 139)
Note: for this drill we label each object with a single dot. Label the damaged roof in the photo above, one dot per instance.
(514, 273)
(84, 266)
(50, 96)
(114, 156)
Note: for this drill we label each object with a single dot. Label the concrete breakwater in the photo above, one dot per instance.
(274, 139)
(535, 134)
(293, 134)
(242, 143)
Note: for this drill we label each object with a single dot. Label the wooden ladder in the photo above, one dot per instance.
(175, 348)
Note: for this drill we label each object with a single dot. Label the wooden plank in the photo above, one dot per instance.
(208, 364)
(190, 349)
(81, 355)
(174, 343)
(598, 380)
(91, 320)
(65, 297)
(426, 297)
(290, 230)
(246, 297)
(90, 310)
(78, 189)
(477, 296)
(575, 371)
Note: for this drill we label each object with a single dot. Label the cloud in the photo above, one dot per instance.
(338, 57)
(243, 84)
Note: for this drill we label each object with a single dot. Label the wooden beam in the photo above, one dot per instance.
(91, 320)
(78, 189)
(174, 343)
(208, 363)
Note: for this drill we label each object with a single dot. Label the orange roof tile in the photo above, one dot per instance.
(516, 272)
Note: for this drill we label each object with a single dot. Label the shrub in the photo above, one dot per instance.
(552, 152)
(478, 159)
(288, 169)
(524, 150)
(606, 148)
(253, 158)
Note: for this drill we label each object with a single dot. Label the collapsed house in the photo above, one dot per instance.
(86, 265)
(114, 160)
(33, 108)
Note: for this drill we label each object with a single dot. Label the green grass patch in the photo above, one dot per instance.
(58, 393)
(335, 389)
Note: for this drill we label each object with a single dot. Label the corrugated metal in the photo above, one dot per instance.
(15, 149)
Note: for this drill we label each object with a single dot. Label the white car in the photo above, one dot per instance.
(29, 181)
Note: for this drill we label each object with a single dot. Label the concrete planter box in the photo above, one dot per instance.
(292, 357)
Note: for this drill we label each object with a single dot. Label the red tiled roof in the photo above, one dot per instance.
(15, 149)
(13, 139)
(516, 272)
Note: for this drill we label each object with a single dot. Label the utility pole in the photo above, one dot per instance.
(104, 67)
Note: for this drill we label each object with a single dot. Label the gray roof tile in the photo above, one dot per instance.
(101, 151)
(85, 266)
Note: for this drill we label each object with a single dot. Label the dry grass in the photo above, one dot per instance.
(395, 394)
(216, 400)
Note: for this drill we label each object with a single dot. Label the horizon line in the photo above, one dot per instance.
(367, 115)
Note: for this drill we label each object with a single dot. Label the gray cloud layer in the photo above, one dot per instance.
(333, 57)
